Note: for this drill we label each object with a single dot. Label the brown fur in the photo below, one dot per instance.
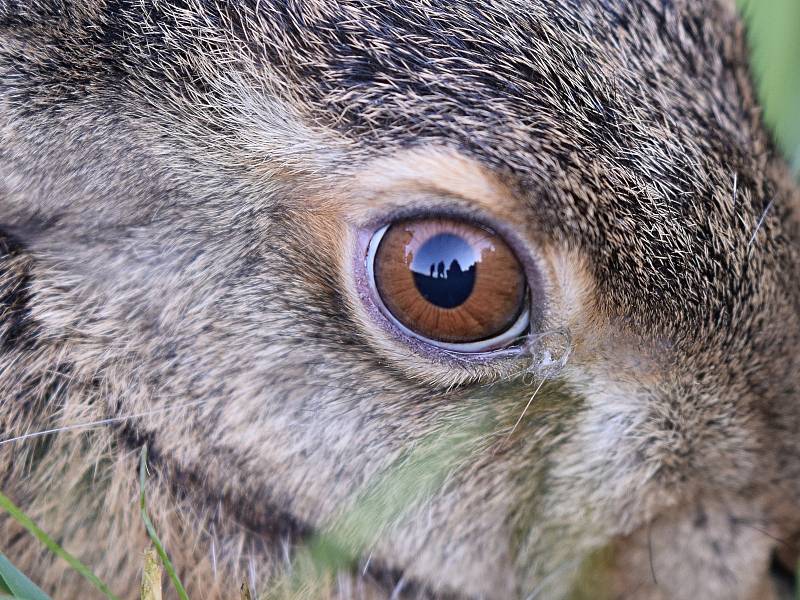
(182, 186)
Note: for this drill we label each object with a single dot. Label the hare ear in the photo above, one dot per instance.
(16, 324)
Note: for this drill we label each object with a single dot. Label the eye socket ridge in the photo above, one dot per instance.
(486, 290)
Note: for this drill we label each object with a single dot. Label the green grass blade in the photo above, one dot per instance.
(151, 530)
(13, 582)
(24, 520)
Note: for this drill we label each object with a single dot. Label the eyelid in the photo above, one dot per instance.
(499, 342)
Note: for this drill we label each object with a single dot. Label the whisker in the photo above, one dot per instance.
(745, 522)
(286, 547)
(761, 222)
(214, 552)
(100, 422)
(398, 588)
(781, 541)
(525, 410)
(251, 570)
(650, 552)
(366, 565)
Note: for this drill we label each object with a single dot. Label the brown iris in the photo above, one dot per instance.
(449, 280)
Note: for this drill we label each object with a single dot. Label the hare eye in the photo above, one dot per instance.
(450, 283)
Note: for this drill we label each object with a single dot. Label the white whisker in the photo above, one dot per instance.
(525, 410)
(99, 423)
(214, 554)
(251, 568)
(398, 588)
(761, 222)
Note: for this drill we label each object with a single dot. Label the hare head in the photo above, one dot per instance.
(494, 299)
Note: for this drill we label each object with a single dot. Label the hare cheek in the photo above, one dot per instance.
(675, 553)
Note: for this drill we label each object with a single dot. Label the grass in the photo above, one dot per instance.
(773, 28)
(151, 531)
(20, 517)
(14, 584)
(774, 35)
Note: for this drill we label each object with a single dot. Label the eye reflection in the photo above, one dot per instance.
(450, 275)
(451, 282)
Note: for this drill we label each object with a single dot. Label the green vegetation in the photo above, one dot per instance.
(22, 587)
(774, 33)
(151, 530)
(14, 584)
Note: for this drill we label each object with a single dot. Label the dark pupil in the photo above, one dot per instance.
(444, 270)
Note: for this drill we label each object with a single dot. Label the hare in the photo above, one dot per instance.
(405, 299)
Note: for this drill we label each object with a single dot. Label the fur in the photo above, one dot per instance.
(182, 187)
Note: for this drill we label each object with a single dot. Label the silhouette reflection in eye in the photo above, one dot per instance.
(448, 280)
(445, 287)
